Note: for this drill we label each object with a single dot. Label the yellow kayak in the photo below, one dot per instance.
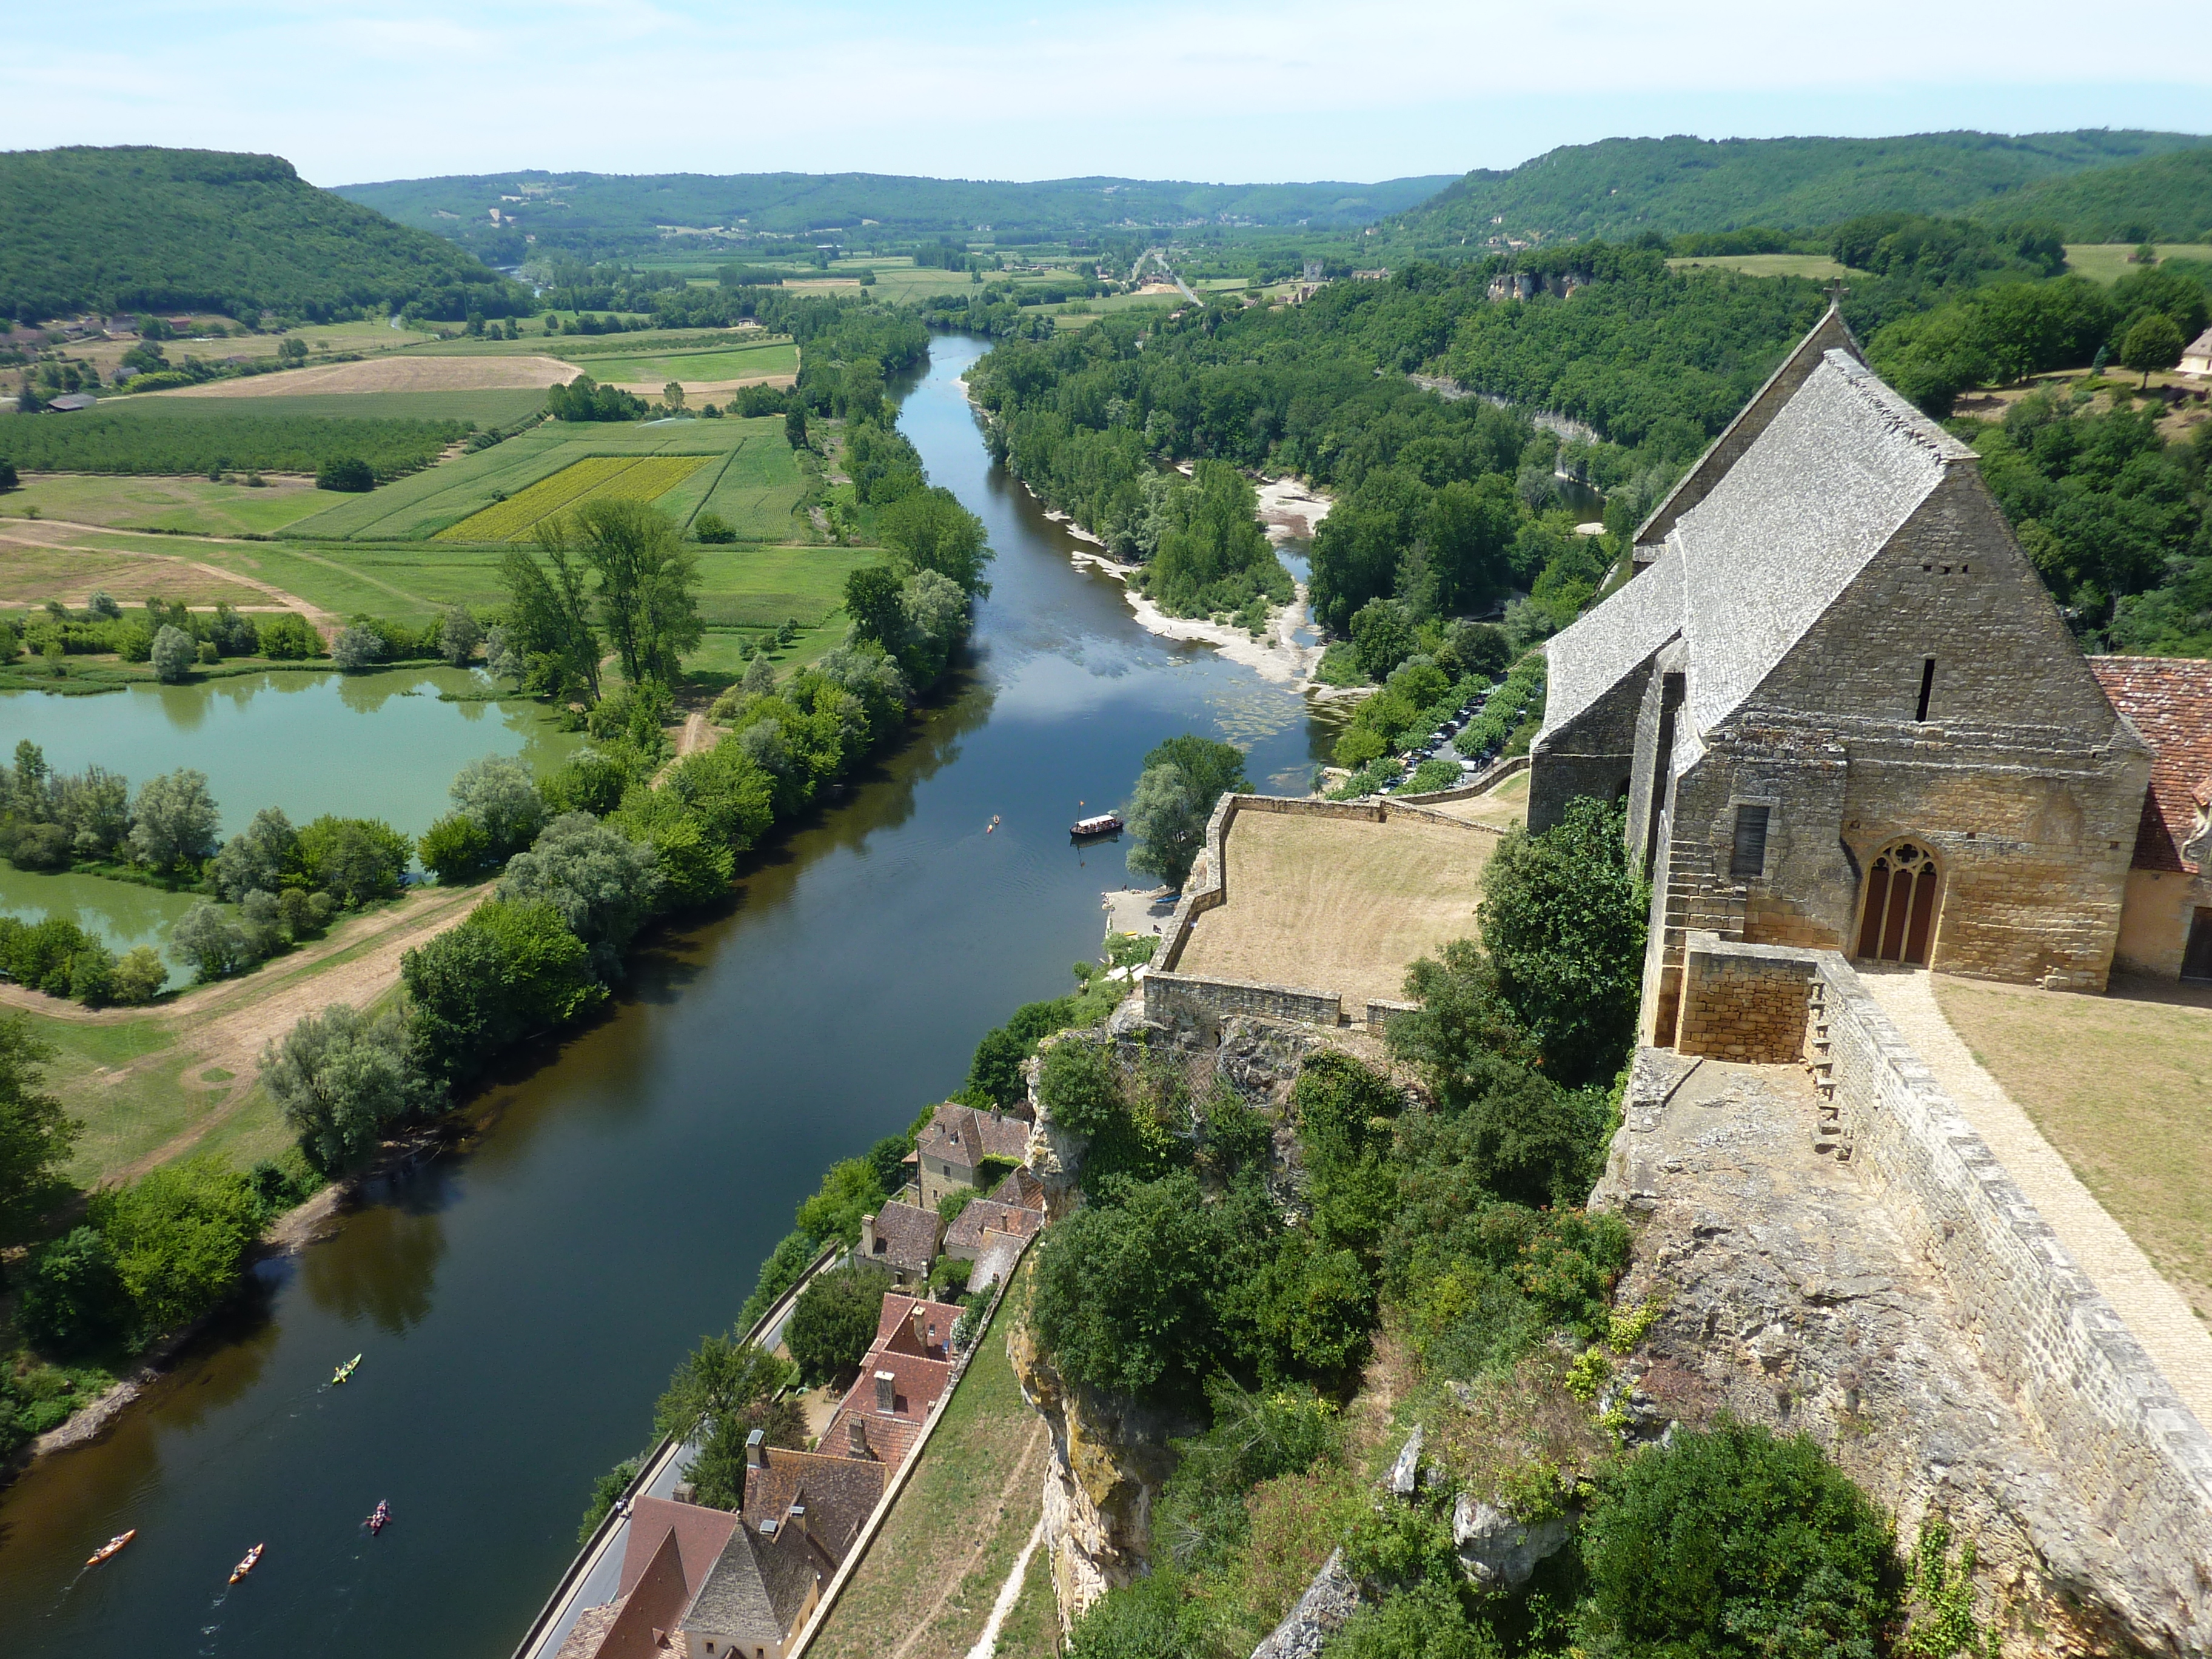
(345, 1370)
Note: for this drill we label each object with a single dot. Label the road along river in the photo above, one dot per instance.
(519, 1305)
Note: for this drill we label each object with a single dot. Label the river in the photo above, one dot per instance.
(520, 1304)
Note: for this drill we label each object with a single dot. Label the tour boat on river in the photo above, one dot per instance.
(1098, 823)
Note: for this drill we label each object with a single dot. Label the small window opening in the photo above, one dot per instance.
(1926, 687)
(1749, 856)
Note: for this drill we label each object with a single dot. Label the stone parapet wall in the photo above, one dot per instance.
(1482, 781)
(1184, 998)
(2139, 1463)
(1379, 1014)
(1743, 1002)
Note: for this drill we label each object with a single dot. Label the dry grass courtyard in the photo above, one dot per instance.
(1339, 904)
(2122, 1086)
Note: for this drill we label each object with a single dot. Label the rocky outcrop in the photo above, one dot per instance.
(1792, 1299)
(1499, 1553)
(1109, 1459)
(1332, 1598)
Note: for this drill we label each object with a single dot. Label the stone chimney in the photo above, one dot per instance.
(867, 1235)
(685, 1493)
(756, 1451)
(798, 1518)
(856, 1439)
(886, 1392)
(921, 1326)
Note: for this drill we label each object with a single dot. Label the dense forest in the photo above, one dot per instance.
(2166, 198)
(597, 215)
(135, 229)
(1624, 186)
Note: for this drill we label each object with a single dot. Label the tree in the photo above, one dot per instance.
(173, 821)
(1079, 1084)
(672, 394)
(357, 860)
(509, 972)
(549, 627)
(212, 941)
(712, 528)
(1730, 1543)
(174, 652)
(1383, 636)
(928, 529)
(287, 637)
(721, 1377)
(342, 1079)
(1168, 823)
(139, 977)
(794, 418)
(100, 606)
(1563, 916)
(932, 615)
(454, 849)
(2154, 343)
(647, 586)
(458, 637)
(872, 601)
(500, 794)
(717, 1474)
(74, 1300)
(695, 865)
(178, 1235)
(347, 473)
(835, 1321)
(263, 856)
(1212, 768)
(35, 1135)
(602, 884)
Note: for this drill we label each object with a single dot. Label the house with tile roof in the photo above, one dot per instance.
(2165, 927)
(981, 1221)
(759, 1594)
(904, 1237)
(2196, 355)
(954, 1151)
(1840, 709)
(881, 1414)
(916, 1325)
(668, 1554)
(835, 1493)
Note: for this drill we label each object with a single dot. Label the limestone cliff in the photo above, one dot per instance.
(1109, 1459)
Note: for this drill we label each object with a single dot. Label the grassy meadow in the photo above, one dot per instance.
(486, 408)
(604, 477)
(692, 368)
(191, 506)
(2107, 261)
(1817, 265)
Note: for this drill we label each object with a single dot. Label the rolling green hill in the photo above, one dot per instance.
(2160, 198)
(597, 214)
(1622, 187)
(134, 228)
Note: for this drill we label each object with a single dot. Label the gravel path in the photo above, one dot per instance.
(2157, 1313)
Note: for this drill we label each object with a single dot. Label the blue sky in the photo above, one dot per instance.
(353, 91)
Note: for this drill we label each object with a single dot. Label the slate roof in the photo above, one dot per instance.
(1021, 1189)
(906, 1237)
(700, 1535)
(1588, 657)
(962, 1136)
(2169, 699)
(756, 1590)
(894, 1324)
(983, 1215)
(840, 1492)
(1837, 471)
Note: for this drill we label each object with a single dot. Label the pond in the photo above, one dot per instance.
(379, 744)
(521, 1306)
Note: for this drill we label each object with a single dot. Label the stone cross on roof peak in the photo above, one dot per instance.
(1835, 291)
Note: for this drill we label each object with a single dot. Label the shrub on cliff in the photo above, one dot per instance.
(1734, 1544)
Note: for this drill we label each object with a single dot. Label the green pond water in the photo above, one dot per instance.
(367, 745)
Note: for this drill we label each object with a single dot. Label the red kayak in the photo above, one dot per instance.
(246, 1566)
(378, 1521)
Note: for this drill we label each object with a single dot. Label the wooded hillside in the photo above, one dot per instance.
(1622, 187)
(138, 229)
(2163, 199)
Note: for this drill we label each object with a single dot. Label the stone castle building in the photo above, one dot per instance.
(1843, 712)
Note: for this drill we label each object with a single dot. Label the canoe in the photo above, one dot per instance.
(110, 1546)
(377, 1521)
(345, 1370)
(247, 1565)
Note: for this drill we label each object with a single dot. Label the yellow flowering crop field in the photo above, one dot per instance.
(598, 478)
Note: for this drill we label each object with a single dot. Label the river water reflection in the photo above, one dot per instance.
(521, 1306)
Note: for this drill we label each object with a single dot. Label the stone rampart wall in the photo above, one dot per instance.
(1482, 782)
(1184, 998)
(2139, 1461)
(1740, 1002)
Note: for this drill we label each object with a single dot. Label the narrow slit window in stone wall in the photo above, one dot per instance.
(1749, 856)
(1927, 686)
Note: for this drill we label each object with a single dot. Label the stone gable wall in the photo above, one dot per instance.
(1741, 1003)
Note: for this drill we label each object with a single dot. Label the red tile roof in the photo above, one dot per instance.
(839, 1493)
(700, 1535)
(2170, 701)
(982, 1215)
(917, 1383)
(895, 1325)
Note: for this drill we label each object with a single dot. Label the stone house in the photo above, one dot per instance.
(953, 1150)
(1842, 711)
(2196, 355)
(2165, 927)
(907, 1370)
(904, 1237)
(827, 1496)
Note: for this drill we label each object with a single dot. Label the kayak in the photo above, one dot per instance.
(376, 1522)
(345, 1370)
(247, 1565)
(110, 1546)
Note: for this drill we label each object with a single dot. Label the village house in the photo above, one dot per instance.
(904, 1237)
(953, 1151)
(2196, 355)
(1842, 711)
(2166, 924)
(906, 1370)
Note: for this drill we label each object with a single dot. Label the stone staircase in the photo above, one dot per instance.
(1833, 1134)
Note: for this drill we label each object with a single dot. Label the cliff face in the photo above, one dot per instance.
(1109, 1459)
(1793, 1300)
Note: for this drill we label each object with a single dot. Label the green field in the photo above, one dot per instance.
(1767, 264)
(192, 505)
(416, 508)
(604, 478)
(762, 586)
(780, 358)
(753, 489)
(2107, 261)
(498, 408)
